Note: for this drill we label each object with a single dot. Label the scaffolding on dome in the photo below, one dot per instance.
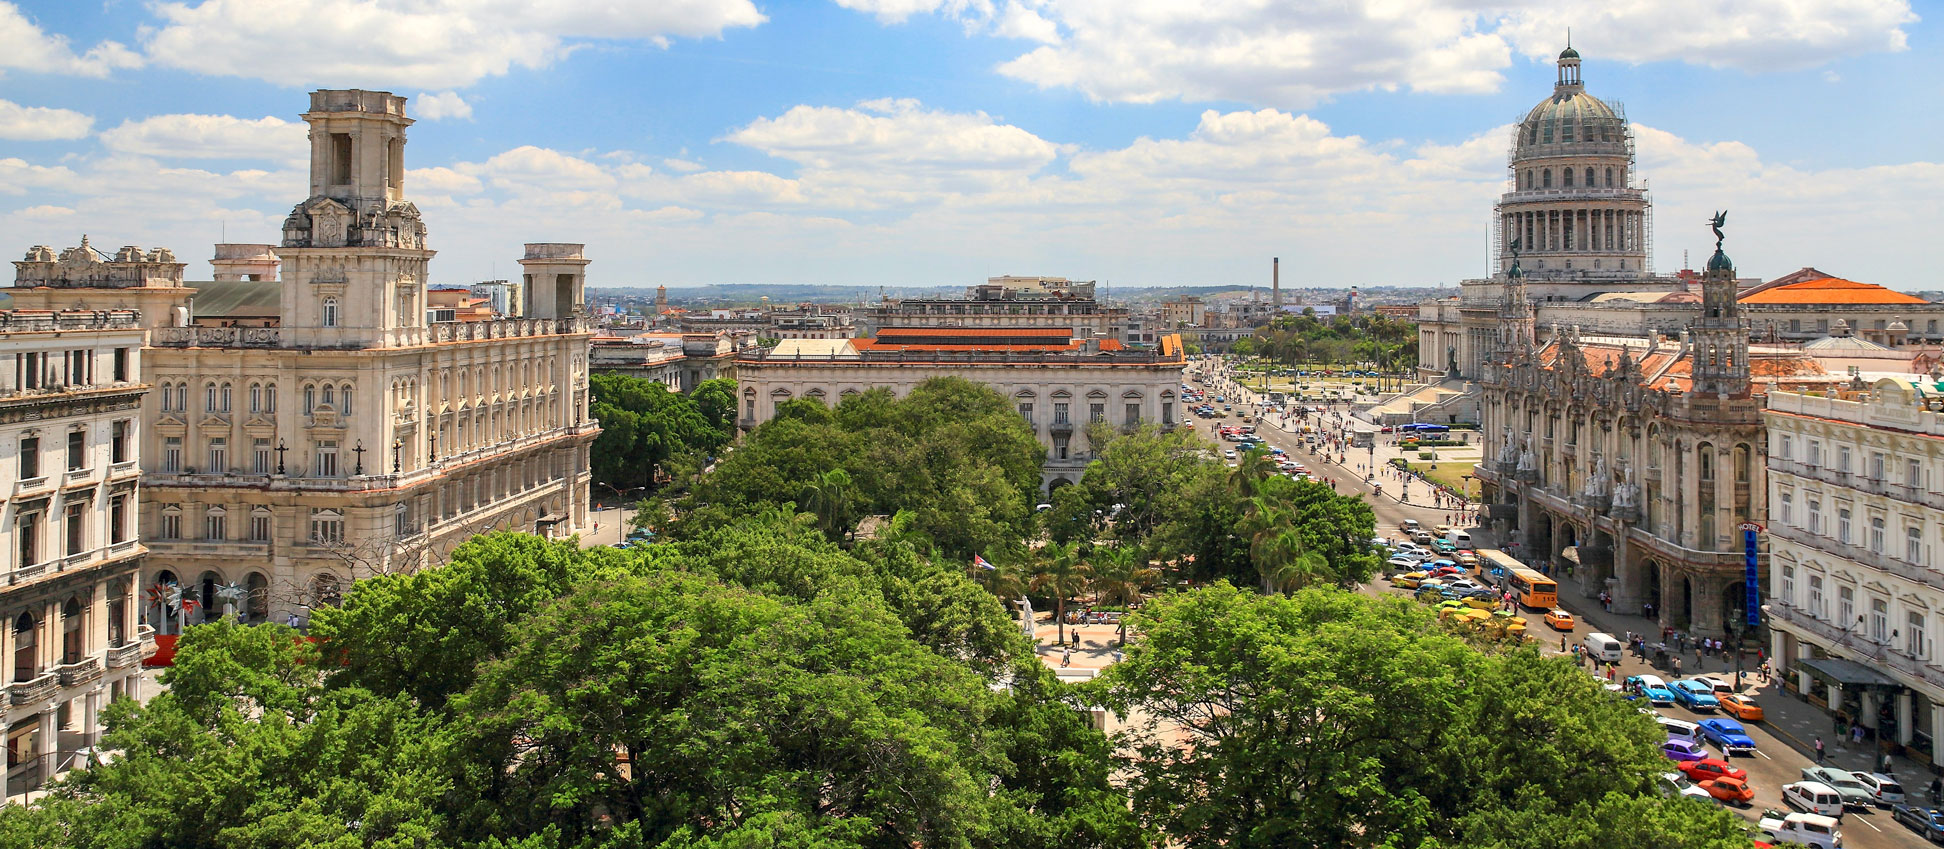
(1633, 181)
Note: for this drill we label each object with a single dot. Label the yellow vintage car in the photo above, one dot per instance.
(1466, 558)
(1409, 580)
(1479, 602)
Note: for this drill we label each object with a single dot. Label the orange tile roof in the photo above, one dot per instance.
(1041, 332)
(1112, 345)
(875, 344)
(1831, 290)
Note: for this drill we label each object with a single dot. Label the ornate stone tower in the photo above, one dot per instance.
(1720, 336)
(1517, 324)
(1573, 203)
(354, 257)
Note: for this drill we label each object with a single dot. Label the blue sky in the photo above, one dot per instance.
(922, 142)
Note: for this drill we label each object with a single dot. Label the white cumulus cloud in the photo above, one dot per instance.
(24, 46)
(431, 44)
(1296, 54)
(441, 106)
(41, 123)
(211, 137)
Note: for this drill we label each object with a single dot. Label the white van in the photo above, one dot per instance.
(1458, 538)
(1604, 648)
(1677, 729)
(1813, 797)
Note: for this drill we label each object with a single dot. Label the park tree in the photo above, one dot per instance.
(643, 425)
(1291, 707)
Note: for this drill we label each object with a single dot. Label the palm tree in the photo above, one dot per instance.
(1282, 559)
(1062, 574)
(1250, 471)
(1121, 576)
(1007, 581)
(830, 498)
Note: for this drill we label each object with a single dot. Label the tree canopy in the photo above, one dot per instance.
(644, 424)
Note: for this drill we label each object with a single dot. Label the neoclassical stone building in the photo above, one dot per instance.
(1057, 382)
(1631, 461)
(70, 440)
(355, 436)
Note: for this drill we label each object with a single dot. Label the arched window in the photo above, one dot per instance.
(1741, 463)
(209, 397)
(270, 398)
(344, 399)
(71, 632)
(25, 654)
(310, 398)
(1545, 179)
(330, 312)
(330, 396)
(256, 397)
(256, 598)
(1589, 178)
(225, 397)
(1566, 177)
(1704, 461)
(1609, 177)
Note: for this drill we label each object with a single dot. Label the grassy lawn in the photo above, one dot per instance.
(1449, 473)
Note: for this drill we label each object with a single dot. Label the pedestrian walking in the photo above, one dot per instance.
(1886, 764)
(1066, 657)
(1856, 735)
(1819, 750)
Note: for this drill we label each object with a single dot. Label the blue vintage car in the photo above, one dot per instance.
(1696, 696)
(1727, 734)
(1652, 687)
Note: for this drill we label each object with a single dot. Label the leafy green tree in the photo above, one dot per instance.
(715, 398)
(1120, 575)
(643, 424)
(1295, 713)
(831, 499)
(1146, 472)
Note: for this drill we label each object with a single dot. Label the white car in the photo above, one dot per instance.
(1885, 789)
(1676, 784)
(1720, 686)
(1464, 585)
(1228, 455)
(1403, 563)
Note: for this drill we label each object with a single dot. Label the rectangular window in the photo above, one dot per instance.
(215, 525)
(121, 365)
(76, 525)
(1914, 545)
(172, 454)
(218, 456)
(1167, 412)
(30, 458)
(118, 621)
(340, 159)
(1815, 516)
(260, 456)
(327, 459)
(1879, 620)
(749, 410)
(1060, 447)
(1815, 452)
(1096, 413)
(1876, 466)
(118, 441)
(77, 450)
(1795, 325)
(27, 534)
(1846, 607)
(1785, 447)
(1788, 585)
(260, 527)
(1816, 596)
(1877, 533)
(1843, 525)
(1026, 412)
(327, 527)
(1843, 459)
(1785, 510)
(1916, 636)
(1133, 414)
(1913, 474)
(172, 523)
(118, 519)
(1060, 413)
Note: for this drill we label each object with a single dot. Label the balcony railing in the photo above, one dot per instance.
(214, 337)
(34, 690)
(1860, 483)
(1860, 555)
(1854, 643)
(79, 672)
(127, 655)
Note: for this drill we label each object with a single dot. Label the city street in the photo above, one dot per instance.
(1785, 739)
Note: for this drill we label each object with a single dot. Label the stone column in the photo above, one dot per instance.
(1905, 715)
(48, 743)
(1630, 591)
(1706, 613)
(91, 718)
(1670, 593)
(1868, 711)
(1833, 694)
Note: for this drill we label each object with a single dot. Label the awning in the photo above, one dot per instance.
(1846, 672)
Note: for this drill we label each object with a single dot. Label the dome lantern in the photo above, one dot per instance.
(1569, 70)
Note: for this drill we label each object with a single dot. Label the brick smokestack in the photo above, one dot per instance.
(1275, 283)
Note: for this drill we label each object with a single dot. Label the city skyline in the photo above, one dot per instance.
(916, 143)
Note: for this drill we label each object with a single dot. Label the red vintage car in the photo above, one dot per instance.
(1707, 768)
(1728, 791)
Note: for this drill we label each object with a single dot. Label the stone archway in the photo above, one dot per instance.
(1535, 544)
(1564, 547)
(1651, 574)
(1596, 567)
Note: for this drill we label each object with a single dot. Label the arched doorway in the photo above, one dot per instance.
(1656, 594)
(256, 598)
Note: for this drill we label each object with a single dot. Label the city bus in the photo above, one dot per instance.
(1528, 588)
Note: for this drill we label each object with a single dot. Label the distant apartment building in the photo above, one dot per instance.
(70, 455)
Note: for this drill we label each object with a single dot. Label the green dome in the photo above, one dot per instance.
(1570, 116)
(1720, 262)
(1569, 53)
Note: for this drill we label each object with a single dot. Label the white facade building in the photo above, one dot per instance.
(70, 437)
(1856, 520)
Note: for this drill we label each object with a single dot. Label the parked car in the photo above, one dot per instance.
(1676, 784)
(1401, 562)
(1804, 829)
(1727, 734)
(1814, 797)
(1885, 789)
(1842, 782)
(1707, 768)
(1682, 750)
(1930, 824)
(1740, 707)
(1729, 791)
(1721, 686)
(1695, 696)
(1652, 687)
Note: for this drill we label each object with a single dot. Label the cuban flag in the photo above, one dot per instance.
(981, 563)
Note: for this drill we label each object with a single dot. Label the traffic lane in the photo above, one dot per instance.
(1775, 762)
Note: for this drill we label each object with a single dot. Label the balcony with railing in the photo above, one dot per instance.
(34, 690)
(1853, 643)
(79, 672)
(214, 337)
(1860, 555)
(128, 654)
